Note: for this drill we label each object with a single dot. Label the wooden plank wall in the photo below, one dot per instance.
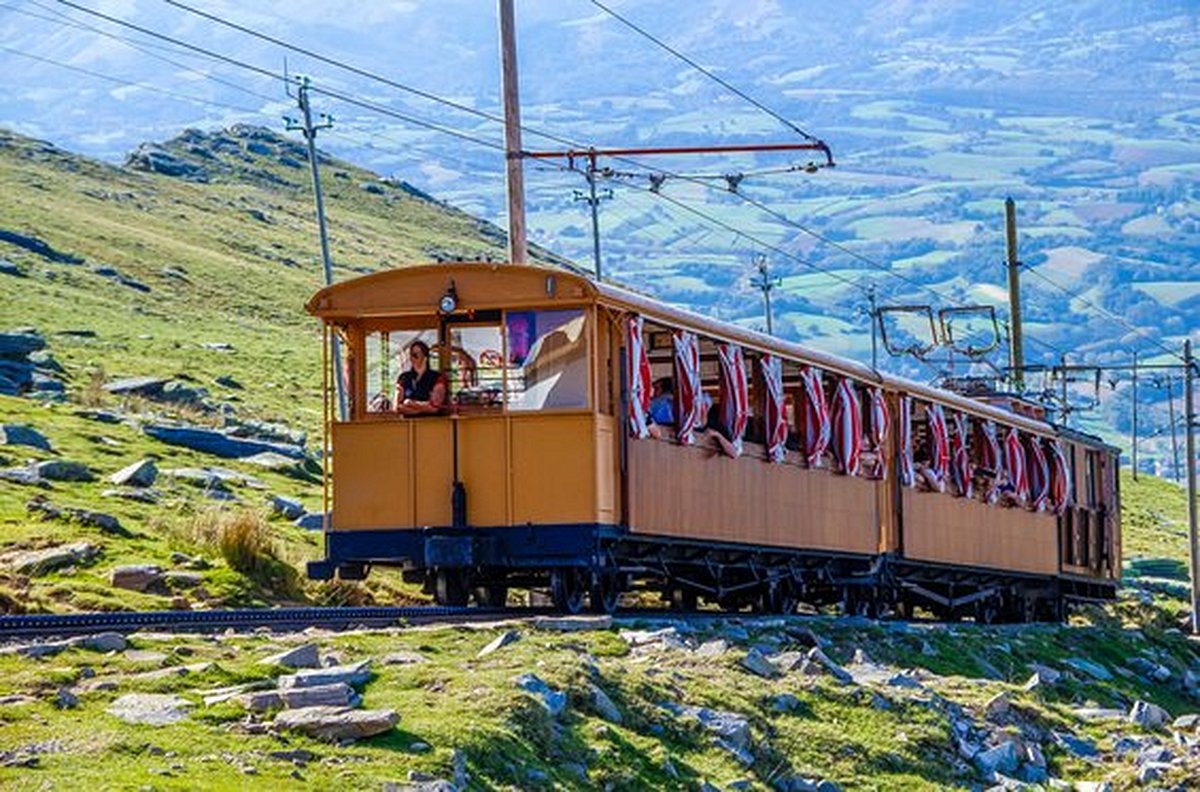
(941, 528)
(697, 493)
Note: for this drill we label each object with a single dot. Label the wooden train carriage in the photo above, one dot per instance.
(533, 470)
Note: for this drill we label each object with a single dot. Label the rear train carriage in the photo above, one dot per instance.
(511, 426)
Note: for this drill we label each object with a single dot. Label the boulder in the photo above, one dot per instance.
(147, 387)
(555, 701)
(1186, 722)
(139, 474)
(1003, 758)
(817, 656)
(1094, 670)
(150, 709)
(8, 268)
(20, 345)
(337, 695)
(311, 522)
(210, 441)
(105, 522)
(136, 577)
(604, 705)
(1148, 716)
(178, 579)
(757, 664)
(354, 675)
(713, 648)
(1076, 746)
(271, 460)
(154, 158)
(286, 507)
(27, 476)
(148, 495)
(333, 724)
(102, 642)
(503, 639)
(23, 435)
(63, 470)
(572, 623)
(303, 656)
(1152, 771)
(997, 707)
(39, 562)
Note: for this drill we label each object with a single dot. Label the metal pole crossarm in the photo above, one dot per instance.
(640, 152)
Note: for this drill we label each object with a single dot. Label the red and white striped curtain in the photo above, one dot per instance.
(993, 461)
(847, 427)
(735, 394)
(687, 386)
(1014, 464)
(1039, 475)
(816, 416)
(908, 476)
(637, 376)
(775, 413)
(939, 446)
(880, 421)
(961, 469)
(1060, 479)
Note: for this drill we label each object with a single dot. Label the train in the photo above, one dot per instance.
(492, 427)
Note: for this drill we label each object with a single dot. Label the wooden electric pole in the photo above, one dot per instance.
(1016, 350)
(309, 130)
(518, 251)
(766, 284)
(1133, 448)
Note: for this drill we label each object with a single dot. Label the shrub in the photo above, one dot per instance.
(245, 543)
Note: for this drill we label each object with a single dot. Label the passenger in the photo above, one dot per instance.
(710, 420)
(420, 390)
(662, 407)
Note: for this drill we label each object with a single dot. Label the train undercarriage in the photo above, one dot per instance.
(590, 567)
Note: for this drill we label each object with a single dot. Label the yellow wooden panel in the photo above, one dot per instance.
(553, 468)
(433, 471)
(482, 467)
(695, 492)
(372, 479)
(607, 474)
(939, 527)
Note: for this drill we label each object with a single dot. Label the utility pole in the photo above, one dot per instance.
(1016, 351)
(1133, 452)
(1189, 412)
(1174, 433)
(765, 284)
(518, 252)
(1066, 409)
(309, 130)
(593, 202)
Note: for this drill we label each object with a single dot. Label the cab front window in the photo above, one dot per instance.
(547, 363)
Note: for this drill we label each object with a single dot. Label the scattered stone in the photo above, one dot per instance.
(785, 702)
(8, 268)
(336, 695)
(839, 673)
(23, 435)
(555, 701)
(20, 344)
(63, 470)
(572, 623)
(731, 730)
(713, 648)
(666, 637)
(148, 495)
(1003, 758)
(154, 158)
(139, 474)
(150, 709)
(503, 639)
(334, 724)
(40, 562)
(1094, 670)
(353, 675)
(405, 659)
(102, 642)
(1186, 722)
(305, 656)
(136, 577)
(1148, 716)
(604, 705)
(101, 416)
(27, 476)
(271, 460)
(210, 441)
(997, 707)
(286, 507)
(177, 579)
(1152, 771)
(1098, 713)
(65, 699)
(310, 522)
(1076, 746)
(757, 664)
(105, 522)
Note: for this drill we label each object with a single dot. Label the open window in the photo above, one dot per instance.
(392, 356)
(476, 365)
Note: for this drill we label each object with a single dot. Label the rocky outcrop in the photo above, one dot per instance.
(41, 562)
(334, 724)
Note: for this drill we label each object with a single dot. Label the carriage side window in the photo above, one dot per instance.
(547, 364)
(403, 366)
(476, 370)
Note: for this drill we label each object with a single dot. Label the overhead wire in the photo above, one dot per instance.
(706, 72)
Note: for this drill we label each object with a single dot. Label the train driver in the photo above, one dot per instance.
(420, 390)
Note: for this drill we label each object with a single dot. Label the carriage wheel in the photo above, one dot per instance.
(568, 587)
(450, 588)
(493, 596)
(605, 592)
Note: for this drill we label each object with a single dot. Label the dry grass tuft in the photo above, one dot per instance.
(242, 537)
